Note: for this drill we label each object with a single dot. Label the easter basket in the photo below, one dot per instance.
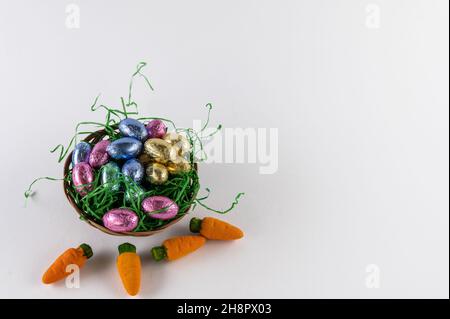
(154, 186)
(94, 138)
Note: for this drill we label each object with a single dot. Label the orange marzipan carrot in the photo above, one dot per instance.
(72, 256)
(129, 267)
(177, 247)
(213, 228)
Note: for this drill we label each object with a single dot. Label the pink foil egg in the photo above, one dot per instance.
(156, 129)
(120, 220)
(82, 177)
(154, 203)
(99, 156)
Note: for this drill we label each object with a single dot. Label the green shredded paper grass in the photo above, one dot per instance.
(182, 188)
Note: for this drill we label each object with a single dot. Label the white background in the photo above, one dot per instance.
(362, 116)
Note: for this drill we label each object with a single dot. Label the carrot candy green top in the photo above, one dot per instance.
(213, 228)
(126, 248)
(159, 253)
(195, 225)
(177, 247)
(87, 250)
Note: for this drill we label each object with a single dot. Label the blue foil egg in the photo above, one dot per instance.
(133, 169)
(133, 128)
(81, 153)
(124, 148)
(109, 174)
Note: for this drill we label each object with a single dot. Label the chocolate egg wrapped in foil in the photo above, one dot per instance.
(179, 142)
(156, 203)
(120, 220)
(145, 159)
(109, 176)
(82, 178)
(124, 148)
(156, 173)
(133, 128)
(81, 153)
(159, 150)
(156, 129)
(134, 170)
(133, 194)
(180, 165)
(99, 155)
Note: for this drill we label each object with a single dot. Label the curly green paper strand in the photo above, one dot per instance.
(29, 191)
(109, 111)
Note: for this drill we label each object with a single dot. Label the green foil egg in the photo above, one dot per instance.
(109, 176)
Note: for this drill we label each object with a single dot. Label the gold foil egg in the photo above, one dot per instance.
(145, 159)
(179, 142)
(160, 150)
(156, 173)
(180, 165)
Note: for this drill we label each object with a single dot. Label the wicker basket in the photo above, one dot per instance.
(93, 139)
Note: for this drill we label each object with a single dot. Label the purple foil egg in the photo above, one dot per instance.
(82, 177)
(120, 220)
(99, 156)
(156, 129)
(154, 203)
(81, 153)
